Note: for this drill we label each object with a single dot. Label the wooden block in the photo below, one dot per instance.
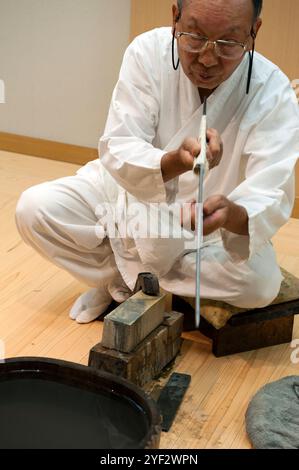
(219, 313)
(250, 336)
(149, 358)
(174, 321)
(132, 321)
(254, 329)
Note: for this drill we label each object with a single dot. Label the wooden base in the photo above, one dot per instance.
(247, 331)
(148, 359)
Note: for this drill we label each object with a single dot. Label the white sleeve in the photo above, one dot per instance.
(268, 192)
(126, 148)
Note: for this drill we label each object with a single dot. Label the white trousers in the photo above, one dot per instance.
(58, 220)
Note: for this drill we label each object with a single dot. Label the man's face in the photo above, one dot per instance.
(230, 20)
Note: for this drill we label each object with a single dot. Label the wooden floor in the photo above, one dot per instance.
(36, 297)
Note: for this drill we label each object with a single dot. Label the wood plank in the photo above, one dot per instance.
(46, 149)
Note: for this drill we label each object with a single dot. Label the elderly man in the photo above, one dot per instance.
(147, 154)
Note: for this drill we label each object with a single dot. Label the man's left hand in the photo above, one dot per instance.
(220, 212)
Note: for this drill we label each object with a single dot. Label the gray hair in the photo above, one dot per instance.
(257, 5)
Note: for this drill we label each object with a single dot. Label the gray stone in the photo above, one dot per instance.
(132, 321)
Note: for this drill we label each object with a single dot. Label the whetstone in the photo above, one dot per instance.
(132, 321)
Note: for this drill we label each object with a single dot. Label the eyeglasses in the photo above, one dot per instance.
(196, 44)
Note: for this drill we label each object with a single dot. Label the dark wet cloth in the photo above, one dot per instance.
(272, 418)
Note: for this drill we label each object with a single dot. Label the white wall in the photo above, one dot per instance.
(59, 60)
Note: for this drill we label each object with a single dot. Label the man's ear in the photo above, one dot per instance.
(175, 16)
(257, 26)
(255, 30)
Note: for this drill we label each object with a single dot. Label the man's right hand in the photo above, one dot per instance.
(187, 152)
(182, 160)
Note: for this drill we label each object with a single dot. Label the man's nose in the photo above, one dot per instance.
(208, 56)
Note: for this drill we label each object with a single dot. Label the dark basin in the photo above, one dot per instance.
(52, 404)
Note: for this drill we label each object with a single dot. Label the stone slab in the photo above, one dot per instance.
(132, 321)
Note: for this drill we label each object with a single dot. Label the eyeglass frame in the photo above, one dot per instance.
(250, 53)
(216, 42)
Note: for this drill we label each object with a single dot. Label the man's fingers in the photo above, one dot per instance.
(215, 141)
(189, 150)
(210, 159)
(188, 214)
(215, 210)
(214, 203)
(214, 221)
(192, 146)
(215, 148)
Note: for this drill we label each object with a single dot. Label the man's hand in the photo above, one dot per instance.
(220, 212)
(182, 160)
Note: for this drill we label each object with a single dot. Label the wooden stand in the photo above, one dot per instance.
(148, 359)
(246, 331)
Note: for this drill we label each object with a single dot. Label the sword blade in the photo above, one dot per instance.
(200, 167)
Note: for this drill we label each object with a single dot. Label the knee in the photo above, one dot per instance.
(260, 290)
(27, 214)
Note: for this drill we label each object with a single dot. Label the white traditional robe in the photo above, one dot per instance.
(154, 108)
